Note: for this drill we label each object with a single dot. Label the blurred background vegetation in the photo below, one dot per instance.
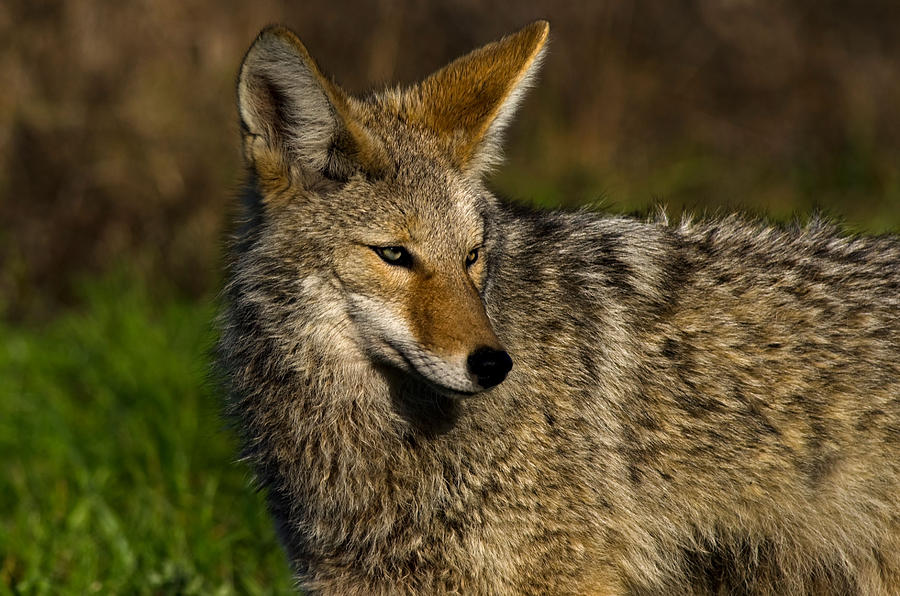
(119, 163)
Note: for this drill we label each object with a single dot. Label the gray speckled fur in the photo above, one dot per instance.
(702, 408)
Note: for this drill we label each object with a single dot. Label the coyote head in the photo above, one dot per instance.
(380, 199)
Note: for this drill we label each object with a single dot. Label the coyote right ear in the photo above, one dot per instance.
(291, 115)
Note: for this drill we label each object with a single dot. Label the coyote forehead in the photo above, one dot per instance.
(425, 203)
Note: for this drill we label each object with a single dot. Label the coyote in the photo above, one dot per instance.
(444, 392)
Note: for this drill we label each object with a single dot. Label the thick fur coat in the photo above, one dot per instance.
(711, 407)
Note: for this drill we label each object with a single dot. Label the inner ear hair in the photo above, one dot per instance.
(470, 101)
(291, 114)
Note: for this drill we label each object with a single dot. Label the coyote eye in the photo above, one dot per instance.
(471, 257)
(394, 255)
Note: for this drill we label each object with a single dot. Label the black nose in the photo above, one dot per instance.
(489, 366)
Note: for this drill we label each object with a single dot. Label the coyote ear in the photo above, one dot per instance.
(470, 101)
(291, 115)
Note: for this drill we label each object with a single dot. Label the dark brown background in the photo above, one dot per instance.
(118, 136)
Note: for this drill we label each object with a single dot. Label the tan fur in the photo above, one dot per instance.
(463, 100)
(705, 408)
(447, 315)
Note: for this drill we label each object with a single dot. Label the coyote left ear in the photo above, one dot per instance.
(469, 102)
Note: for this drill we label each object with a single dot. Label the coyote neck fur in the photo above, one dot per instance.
(366, 459)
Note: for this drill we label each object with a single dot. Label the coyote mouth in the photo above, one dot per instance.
(436, 371)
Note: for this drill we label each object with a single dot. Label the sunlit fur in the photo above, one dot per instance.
(710, 407)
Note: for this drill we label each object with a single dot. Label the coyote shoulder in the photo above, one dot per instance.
(443, 392)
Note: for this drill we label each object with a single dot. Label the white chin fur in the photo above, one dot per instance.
(443, 374)
(448, 375)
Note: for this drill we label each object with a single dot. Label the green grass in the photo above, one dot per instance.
(117, 474)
